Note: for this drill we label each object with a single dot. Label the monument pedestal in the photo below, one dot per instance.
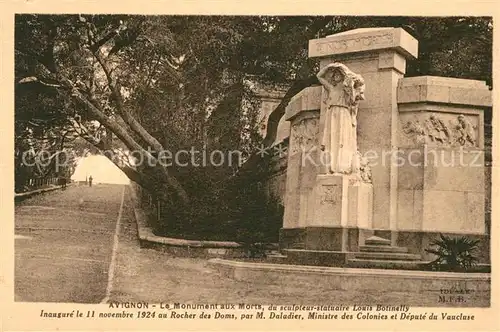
(340, 216)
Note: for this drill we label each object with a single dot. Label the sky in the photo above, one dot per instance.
(101, 169)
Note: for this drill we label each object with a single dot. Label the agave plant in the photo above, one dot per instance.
(453, 254)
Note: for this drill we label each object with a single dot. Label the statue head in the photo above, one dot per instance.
(337, 77)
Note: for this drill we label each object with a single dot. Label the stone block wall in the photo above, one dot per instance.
(441, 182)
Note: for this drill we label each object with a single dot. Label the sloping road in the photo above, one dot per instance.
(64, 244)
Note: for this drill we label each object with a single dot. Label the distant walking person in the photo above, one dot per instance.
(90, 181)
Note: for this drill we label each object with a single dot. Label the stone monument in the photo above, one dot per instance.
(334, 199)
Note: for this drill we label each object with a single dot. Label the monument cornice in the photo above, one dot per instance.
(444, 90)
(309, 99)
(365, 40)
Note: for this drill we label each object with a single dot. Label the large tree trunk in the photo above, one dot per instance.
(140, 175)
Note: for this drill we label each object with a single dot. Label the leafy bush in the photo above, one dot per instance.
(258, 224)
(256, 217)
(225, 208)
(453, 254)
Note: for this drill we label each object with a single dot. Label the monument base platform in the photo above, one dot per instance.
(337, 243)
(323, 238)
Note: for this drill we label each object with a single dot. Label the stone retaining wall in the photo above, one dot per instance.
(181, 247)
(351, 279)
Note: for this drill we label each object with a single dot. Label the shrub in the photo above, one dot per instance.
(233, 209)
(453, 254)
(258, 224)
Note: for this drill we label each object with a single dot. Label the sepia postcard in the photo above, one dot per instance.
(216, 165)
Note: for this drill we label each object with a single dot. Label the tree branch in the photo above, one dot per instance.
(130, 172)
(128, 140)
(31, 79)
(107, 37)
(127, 117)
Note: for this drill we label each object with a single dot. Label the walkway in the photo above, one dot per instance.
(63, 246)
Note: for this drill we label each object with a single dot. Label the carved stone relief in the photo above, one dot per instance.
(365, 171)
(459, 131)
(304, 135)
(464, 132)
(351, 43)
(330, 194)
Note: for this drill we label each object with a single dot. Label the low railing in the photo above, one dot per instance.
(37, 183)
(148, 202)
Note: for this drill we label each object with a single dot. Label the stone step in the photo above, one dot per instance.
(276, 259)
(316, 257)
(382, 249)
(272, 246)
(298, 245)
(387, 256)
(377, 241)
(385, 264)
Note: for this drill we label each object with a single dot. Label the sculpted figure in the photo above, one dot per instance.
(437, 130)
(414, 129)
(365, 172)
(466, 134)
(344, 90)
